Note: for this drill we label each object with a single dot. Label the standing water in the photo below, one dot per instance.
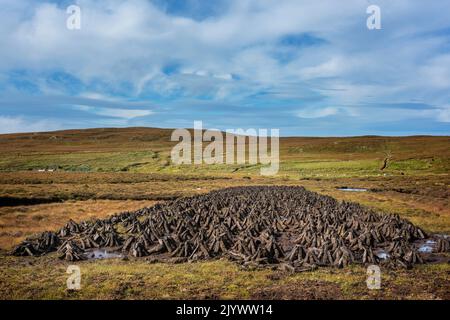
(352, 189)
(102, 254)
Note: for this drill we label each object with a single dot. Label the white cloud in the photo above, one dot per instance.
(330, 68)
(115, 112)
(443, 114)
(132, 42)
(437, 72)
(21, 124)
(311, 113)
(99, 96)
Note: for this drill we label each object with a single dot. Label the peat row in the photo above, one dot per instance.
(282, 226)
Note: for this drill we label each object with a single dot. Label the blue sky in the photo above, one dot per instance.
(309, 68)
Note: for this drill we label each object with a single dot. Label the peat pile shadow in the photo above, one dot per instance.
(279, 226)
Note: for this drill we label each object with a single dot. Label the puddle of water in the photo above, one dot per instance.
(425, 249)
(380, 253)
(102, 254)
(353, 189)
(427, 246)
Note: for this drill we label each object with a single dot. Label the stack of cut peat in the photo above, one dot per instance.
(287, 227)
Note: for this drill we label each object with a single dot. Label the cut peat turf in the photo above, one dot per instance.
(274, 226)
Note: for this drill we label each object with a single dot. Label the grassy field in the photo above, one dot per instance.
(99, 172)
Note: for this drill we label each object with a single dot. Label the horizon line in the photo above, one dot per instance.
(224, 131)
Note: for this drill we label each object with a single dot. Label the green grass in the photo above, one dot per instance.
(147, 150)
(81, 161)
(151, 162)
(45, 278)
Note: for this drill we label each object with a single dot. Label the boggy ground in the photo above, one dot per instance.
(275, 226)
(45, 278)
(104, 171)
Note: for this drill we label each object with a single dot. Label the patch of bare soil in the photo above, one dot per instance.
(436, 286)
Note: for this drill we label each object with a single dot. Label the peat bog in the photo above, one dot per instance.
(285, 227)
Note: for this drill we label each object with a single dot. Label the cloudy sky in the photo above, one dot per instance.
(309, 68)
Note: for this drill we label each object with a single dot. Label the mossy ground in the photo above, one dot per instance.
(45, 278)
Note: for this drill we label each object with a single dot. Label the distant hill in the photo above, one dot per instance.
(147, 149)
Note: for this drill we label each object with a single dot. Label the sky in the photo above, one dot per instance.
(307, 68)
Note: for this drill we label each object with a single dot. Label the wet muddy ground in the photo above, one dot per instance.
(424, 200)
(262, 226)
